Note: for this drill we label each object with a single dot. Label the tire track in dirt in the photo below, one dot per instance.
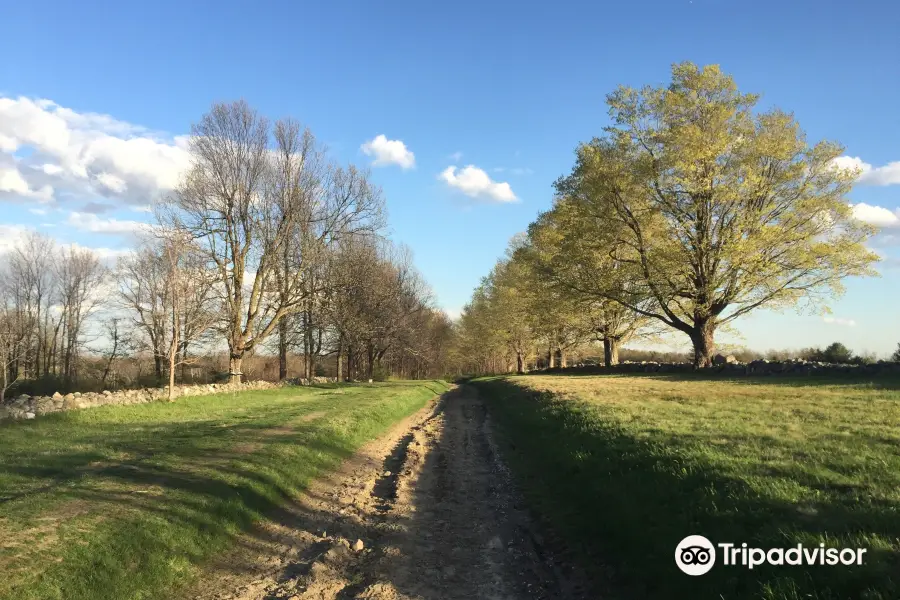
(426, 513)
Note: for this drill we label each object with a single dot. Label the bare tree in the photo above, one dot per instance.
(29, 286)
(80, 277)
(244, 204)
(144, 293)
(13, 344)
(119, 345)
(188, 286)
(169, 292)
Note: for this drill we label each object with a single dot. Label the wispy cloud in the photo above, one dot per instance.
(514, 170)
(839, 321)
(90, 222)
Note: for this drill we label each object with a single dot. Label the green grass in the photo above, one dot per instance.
(625, 467)
(127, 502)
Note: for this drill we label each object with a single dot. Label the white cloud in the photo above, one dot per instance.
(12, 181)
(112, 183)
(38, 211)
(889, 174)
(840, 321)
(453, 313)
(877, 215)
(474, 182)
(389, 152)
(92, 223)
(86, 154)
(11, 236)
(456, 156)
(14, 184)
(109, 255)
(52, 169)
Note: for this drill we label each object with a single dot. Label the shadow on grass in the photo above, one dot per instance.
(625, 503)
(137, 503)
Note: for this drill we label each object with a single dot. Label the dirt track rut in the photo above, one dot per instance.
(428, 512)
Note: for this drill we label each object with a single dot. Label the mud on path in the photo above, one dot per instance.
(427, 512)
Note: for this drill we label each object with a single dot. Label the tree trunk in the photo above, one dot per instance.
(234, 368)
(308, 343)
(350, 363)
(563, 361)
(703, 338)
(340, 351)
(184, 362)
(551, 357)
(157, 367)
(282, 349)
(112, 357)
(520, 362)
(371, 357)
(610, 351)
(173, 351)
(172, 354)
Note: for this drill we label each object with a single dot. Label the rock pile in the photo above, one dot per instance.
(728, 365)
(28, 407)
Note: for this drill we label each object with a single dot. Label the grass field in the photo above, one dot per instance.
(125, 502)
(625, 467)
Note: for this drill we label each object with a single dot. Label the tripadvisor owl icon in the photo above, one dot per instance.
(695, 555)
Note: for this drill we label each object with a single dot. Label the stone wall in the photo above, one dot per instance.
(727, 365)
(28, 407)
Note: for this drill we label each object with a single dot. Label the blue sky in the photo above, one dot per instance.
(512, 86)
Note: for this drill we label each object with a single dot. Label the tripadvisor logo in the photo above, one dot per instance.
(696, 555)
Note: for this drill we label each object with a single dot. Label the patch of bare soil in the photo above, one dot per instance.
(427, 512)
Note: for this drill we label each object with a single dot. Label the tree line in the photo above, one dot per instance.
(689, 211)
(266, 246)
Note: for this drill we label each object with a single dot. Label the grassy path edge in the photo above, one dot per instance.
(181, 494)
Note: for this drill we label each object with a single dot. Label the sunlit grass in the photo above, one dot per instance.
(125, 502)
(627, 466)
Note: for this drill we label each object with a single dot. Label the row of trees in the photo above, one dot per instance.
(266, 246)
(47, 295)
(689, 212)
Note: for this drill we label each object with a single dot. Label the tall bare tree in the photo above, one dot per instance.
(189, 286)
(144, 294)
(29, 285)
(245, 201)
(80, 277)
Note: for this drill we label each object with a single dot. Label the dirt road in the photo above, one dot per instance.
(428, 512)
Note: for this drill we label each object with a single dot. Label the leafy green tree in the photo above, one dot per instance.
(571, 256)
(712, 210)
(837, 353)
(896, 355)
(496, 328)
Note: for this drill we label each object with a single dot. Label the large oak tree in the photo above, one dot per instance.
(712, 209)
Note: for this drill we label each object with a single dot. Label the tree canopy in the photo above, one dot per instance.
(693, 209)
